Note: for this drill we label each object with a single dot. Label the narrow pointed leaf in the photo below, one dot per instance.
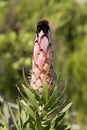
(31, 97)
(13, 117)
(29, 109)
(66, 108)
(45, 92)
(25, 123)
(46, 122)
(58, 102)
(56, 120)
(63, 127)
(59, 118)
(37, 95)
(25, 79)
(31, 123)
(19, 115)
(28, 85)
(31, 112)
(52, 98)
(53, 111)
(21, 93)
(38, 122)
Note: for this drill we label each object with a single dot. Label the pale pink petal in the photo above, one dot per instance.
(41, 60)
(33, 78)
(46, 67)
(44, 43)
(49, 53)
(39, 84)
(40, 35)
(36, 51)
(36, 72)
(42, 77)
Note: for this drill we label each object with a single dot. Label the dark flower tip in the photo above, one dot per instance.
(43, 25)
(43, 22)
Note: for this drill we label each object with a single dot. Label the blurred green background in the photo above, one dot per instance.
(68, 23)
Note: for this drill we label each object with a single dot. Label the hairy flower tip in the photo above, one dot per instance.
(43, 25)
(42, 63)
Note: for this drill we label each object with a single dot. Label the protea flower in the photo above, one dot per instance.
(46, 110)
(42, 64)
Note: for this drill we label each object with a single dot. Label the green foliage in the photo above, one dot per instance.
(68, 21)
(39, 112)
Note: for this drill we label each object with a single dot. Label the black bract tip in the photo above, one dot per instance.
(43, 25)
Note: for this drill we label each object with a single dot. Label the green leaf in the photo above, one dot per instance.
(66, 108)
(58, 102)
(13, 118)
(25, 123)
(56, 120)
(59, 118)
(19, 115)
(46, 122)
(63, 127)
(28, 85)
(38, 122)
(36, 94)
(68, 128)
(31, 123)
(28, 109)
(45, 93)
(31, 97)
(58, 78)
(23, 103)
(53, 111)
(53, 123)
(31, 112)
(25, 79)
(21, 93)
(52, 98)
